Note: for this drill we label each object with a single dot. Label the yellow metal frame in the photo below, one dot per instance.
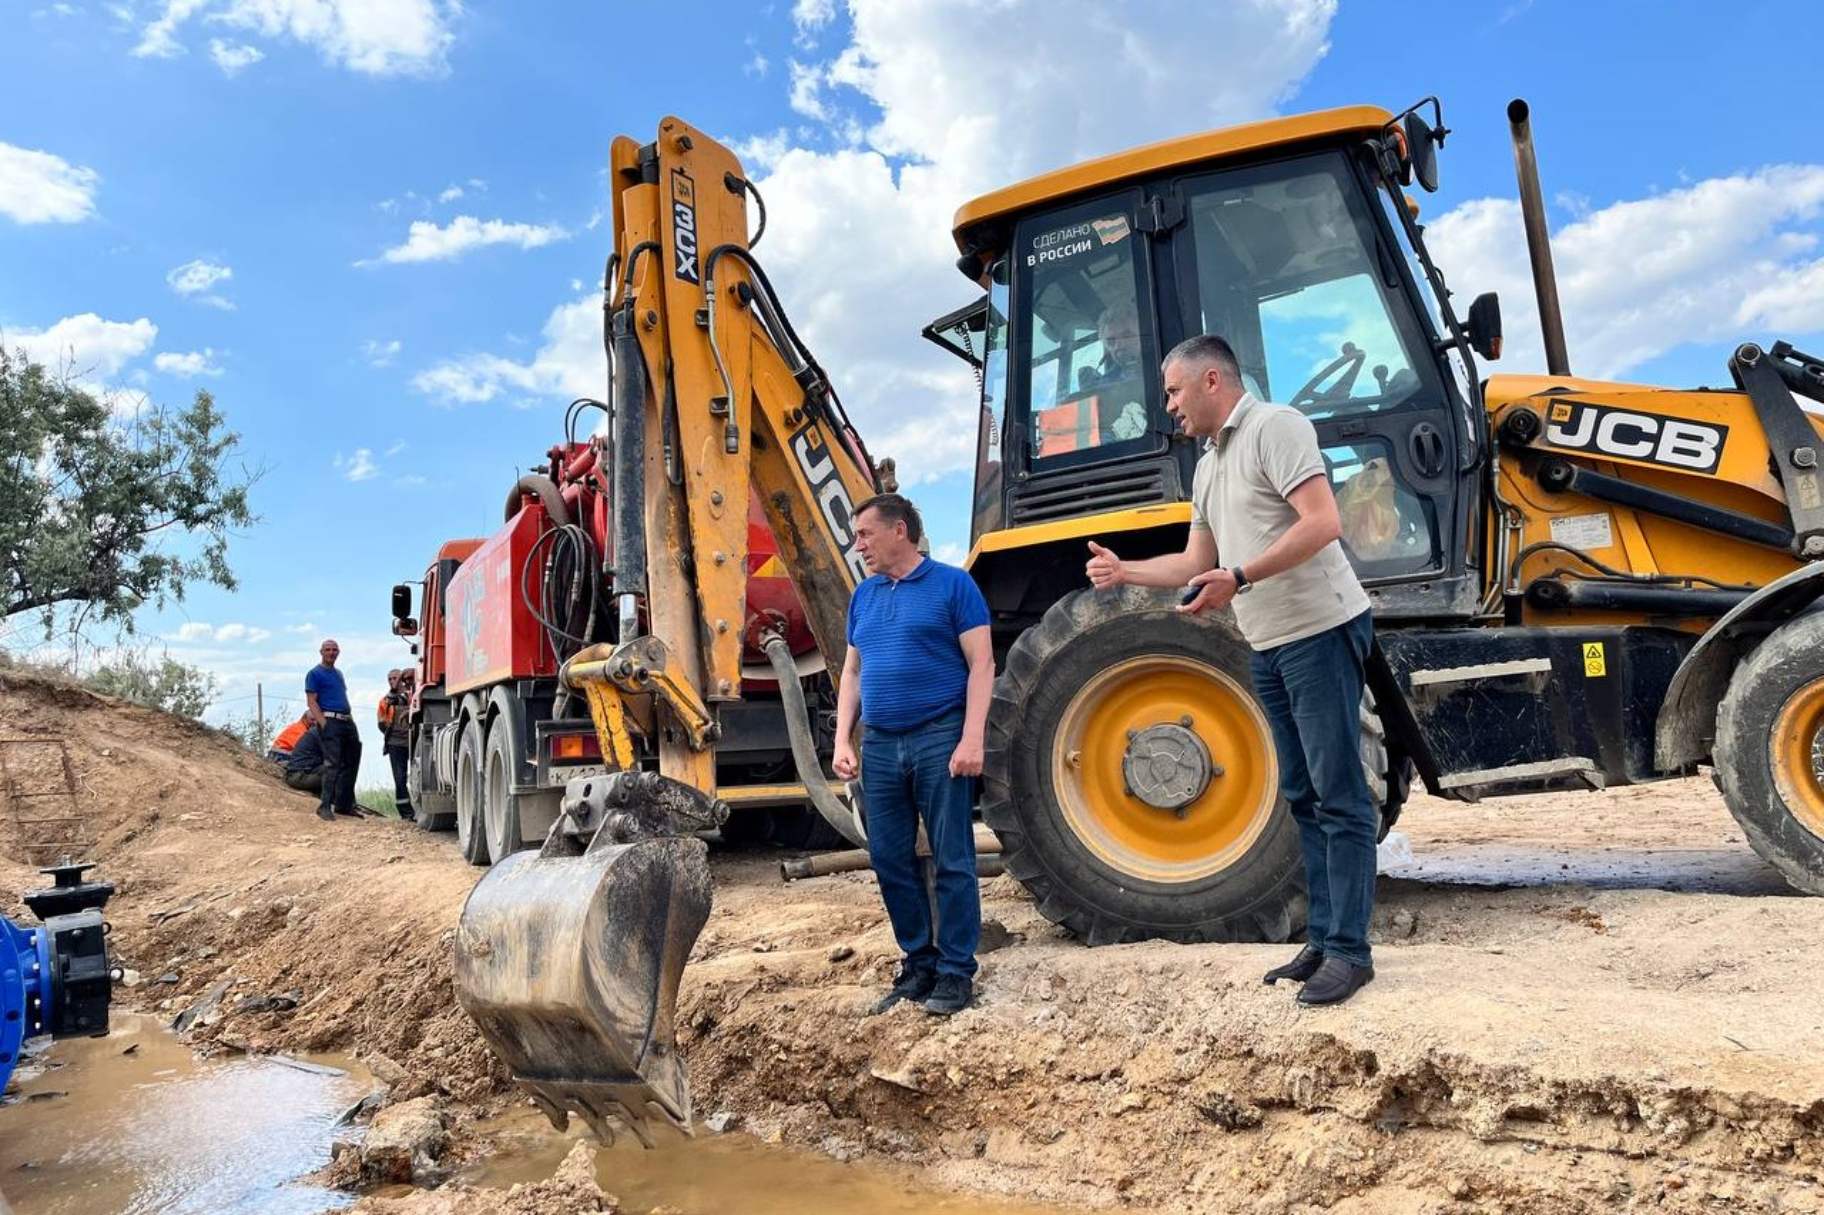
(1361, 121)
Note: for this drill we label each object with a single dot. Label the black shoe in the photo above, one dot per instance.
(351, 813)
(908, 984)
(408, 817)
(950, 994)
(1335, 981)
(1298, 969)
(326, 814)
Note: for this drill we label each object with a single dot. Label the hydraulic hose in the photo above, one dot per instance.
(845, 819)
(629, 475)
(545, 490)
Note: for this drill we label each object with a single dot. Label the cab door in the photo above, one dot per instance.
(1288, 262)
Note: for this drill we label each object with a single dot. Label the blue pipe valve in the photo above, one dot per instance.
(54, 976)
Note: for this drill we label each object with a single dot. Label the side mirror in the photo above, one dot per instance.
(405, 627)
(402, 601)
(1484, 326)
(1422, 147)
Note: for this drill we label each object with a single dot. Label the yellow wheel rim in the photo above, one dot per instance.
(1797, 752)
(1124, 832)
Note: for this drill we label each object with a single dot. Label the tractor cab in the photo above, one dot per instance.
(1292, 240)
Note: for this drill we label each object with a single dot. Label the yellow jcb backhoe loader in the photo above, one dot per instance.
(1575, 583)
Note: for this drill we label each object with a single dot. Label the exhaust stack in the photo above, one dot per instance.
(1538, 240)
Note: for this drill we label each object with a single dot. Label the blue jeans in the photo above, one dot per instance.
(906, 777)
(1312, 692)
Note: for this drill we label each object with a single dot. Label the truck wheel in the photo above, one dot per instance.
(471, 837)
(499, 806)
(435, 811)
(1769, 750)
(1131, 778)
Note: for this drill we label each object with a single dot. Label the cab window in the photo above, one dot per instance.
(1085, 355)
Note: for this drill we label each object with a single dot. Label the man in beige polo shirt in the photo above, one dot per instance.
(1261, 500)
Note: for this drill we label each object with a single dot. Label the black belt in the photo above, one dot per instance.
(338, 716)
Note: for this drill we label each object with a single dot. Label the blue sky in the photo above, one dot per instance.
(372, 228)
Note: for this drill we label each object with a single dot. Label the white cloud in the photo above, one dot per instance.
(380, 354)
(920, 112)
(374, 37)
(1720, 259)
(810, 16)
(569, 363)
(188, 366)
(807, 90)
(358, 467)
(41, 188)
(233, 58)
(85, 346)
(450, 194)
(427, 242)
(158, 40)
(196, 630)
(197, 280)
(395, 449)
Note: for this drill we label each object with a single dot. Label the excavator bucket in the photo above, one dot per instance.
(569, 964)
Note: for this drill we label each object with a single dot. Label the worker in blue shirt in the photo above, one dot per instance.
(918, 675)
(326, 692)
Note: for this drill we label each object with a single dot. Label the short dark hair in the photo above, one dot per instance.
(1207, 348)
(896, 508)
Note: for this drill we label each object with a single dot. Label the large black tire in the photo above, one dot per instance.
(1096, 860)
(1769, 751)
(499, 804)
(803, 829)
(435, 811)
(471, 831)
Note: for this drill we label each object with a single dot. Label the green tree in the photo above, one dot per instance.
(101, 510)
(164, 683)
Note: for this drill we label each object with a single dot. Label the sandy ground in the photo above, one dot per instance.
(1584, 1002)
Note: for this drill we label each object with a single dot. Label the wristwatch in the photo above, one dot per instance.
(1242, 585)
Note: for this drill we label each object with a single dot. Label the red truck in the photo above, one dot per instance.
(496, 736)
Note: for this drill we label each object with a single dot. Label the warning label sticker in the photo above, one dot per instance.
(1584, 531)
(1594, 665)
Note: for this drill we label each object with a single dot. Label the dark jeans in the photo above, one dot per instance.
(305, 782)
(906, 777)
(402, 793)
(341, 763)
(1312, 692)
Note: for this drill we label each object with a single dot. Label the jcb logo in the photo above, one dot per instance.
(684, 226)
(819, 470)
(1606, 430)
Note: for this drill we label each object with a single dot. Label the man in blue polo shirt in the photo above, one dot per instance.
(919, 674)
(326, 693)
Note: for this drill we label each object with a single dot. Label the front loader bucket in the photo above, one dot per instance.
(570, 967)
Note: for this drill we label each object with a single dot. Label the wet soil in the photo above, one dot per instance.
(1584, 1002)
(135, 1123)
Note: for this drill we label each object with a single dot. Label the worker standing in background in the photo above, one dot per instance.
(1260, 498)
(918, 676)
(326, 692)
(395, 737)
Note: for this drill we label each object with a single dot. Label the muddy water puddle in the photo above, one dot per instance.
(729, 1174)
(134, 1123)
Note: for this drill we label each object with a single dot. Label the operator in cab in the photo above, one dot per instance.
(1261, 503)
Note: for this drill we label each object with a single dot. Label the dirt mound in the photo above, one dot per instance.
(280, 931)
